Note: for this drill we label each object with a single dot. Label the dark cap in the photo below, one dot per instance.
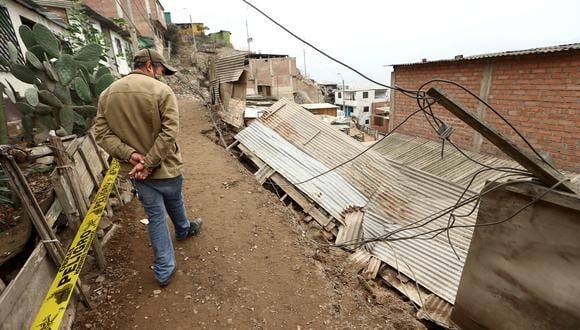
(149, 54)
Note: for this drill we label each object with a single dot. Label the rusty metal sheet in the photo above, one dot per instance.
(230, 68)
(234, 114)
(423, 154)
(396, 195)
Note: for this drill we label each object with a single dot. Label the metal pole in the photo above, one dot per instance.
(248, 37)
(343, 95)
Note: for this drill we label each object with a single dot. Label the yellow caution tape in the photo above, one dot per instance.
(56, 301)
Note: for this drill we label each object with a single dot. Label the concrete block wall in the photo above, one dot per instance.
(538, 93)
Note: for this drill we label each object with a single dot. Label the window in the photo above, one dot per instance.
(339, 95)
(119, 47)
(7, 34)
(365, 95)
(366, 122)
(365, 109)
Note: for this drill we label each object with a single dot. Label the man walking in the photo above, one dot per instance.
(137, 122)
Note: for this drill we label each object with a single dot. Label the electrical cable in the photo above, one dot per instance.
(419, 94)
(402, 90)
(465, 89)
(362, 152)
(428, 219)
(441, 230)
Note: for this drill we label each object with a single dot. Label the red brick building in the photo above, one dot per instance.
(536, 90)
(147, 16)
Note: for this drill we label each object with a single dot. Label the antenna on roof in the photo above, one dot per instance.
(248, 37)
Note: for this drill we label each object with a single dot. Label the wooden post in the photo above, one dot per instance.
(22, 190)
(66, 170)
(106, 166)
(533, 164)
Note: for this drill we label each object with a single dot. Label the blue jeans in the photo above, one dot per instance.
(158, 196)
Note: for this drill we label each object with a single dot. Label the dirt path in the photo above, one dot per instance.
(252, 267)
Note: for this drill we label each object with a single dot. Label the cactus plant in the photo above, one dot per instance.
(66, 85)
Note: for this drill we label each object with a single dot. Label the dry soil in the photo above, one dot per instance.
(254, 265)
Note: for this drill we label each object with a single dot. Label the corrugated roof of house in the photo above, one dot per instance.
(425, 155)
(540, 50)
(314, 106)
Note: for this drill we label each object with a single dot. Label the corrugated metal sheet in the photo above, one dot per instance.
(331, 191)
(425, 155)
(230, 68)
(541, 50)
(299, 146)
(437, 310)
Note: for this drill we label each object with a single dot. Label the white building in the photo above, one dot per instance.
(22, 12)
(358, 102)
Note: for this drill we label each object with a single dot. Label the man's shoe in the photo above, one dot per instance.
(168, 280)
(194, 228)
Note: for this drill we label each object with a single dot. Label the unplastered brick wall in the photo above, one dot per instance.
(537, 93)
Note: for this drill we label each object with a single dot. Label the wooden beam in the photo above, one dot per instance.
(30, 204)
(105, 165)
(533, 164)
(82, 205)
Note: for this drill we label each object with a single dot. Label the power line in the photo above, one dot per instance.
(419, 94)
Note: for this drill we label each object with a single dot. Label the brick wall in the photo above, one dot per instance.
(538, 93)
(105, 8)
(108, 8)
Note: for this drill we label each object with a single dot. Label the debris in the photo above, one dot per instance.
(144, 221)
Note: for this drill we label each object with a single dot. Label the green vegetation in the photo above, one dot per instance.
(66, 84)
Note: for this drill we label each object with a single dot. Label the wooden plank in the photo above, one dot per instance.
(83, 176)
(264, 173)
(81, 201)
(289, 189)
(299, 198)
(90, 169)
(30, 205)
(92, 156)
(53, 212)
(63, 193)
(105, 166)
(372, 269)
(25, 293)
(407, 287)
(532, 163)
(259, 163)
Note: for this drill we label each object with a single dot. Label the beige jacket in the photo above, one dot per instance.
(139, 113)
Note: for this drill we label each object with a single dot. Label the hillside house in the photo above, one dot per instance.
(23, 12)
(536, 90)
(358, 102)
(147, 16)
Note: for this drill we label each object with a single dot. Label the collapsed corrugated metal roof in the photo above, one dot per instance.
(230, 68)
(425, 155)
(298, 146)
(541, 50)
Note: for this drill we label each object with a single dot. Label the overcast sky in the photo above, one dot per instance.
(371, 34)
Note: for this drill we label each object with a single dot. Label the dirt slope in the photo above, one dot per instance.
(252, 267)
